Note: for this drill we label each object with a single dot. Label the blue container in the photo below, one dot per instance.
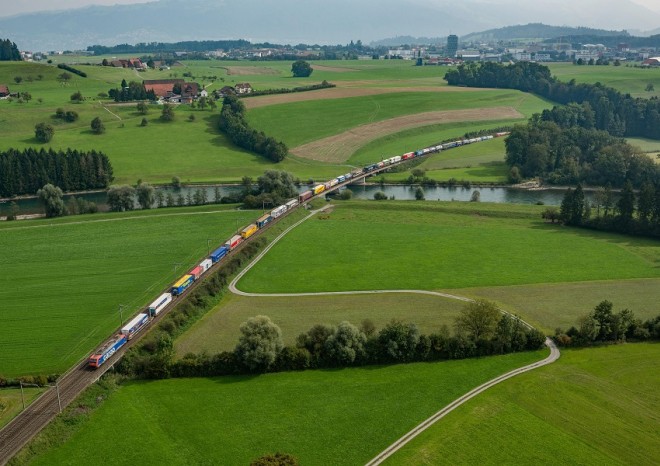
(219, 253)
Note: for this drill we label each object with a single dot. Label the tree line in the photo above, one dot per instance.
(480, 330)
(560, 148)
(9, 51)
(26, 171)
(603, 325)
(233, 123)
(73, 70)
(636, 214)
(131, 91)
(614, 112)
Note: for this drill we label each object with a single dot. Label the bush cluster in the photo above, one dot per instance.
(284, 90)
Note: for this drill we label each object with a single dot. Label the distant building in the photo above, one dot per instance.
(243, 88)
(162, 87)
(452, 45)
(653, 61)
(4, 91)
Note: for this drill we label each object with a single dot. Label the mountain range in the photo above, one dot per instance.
(310, 21)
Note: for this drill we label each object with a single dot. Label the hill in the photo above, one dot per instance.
(537, 31)
(303, 22)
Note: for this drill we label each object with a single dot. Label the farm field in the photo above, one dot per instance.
(218, 330)
(592, 406)
(443, 246)
(625, 79)
(76, 271)
(232, 420)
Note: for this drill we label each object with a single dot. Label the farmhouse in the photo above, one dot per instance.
(163, 88)
(4, 91)
(653, 61)
(189, 92)
(243, 88)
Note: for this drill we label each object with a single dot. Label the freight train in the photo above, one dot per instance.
(140, 321)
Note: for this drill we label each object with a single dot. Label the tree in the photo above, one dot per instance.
(13, 211)
(603, 316)
(77, 97)
(145, 195)
(43, 132)
(478, 319)
(626, 205)
(142, 108)
(650, 87)
(18, 79)
(51, 197)
(191, 117)
(380, 196)
(97, 126)
(203, 102)
(346, 345)
(259, 344)
(476, 196)
(419, 193)
(398, 341)
(26, 96)
(301, 69)
(144, 122)
(550, 213)
(168, 113)
(64, 77)
(121, 198)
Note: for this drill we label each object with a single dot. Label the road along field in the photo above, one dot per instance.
(75, 272)
(339, 148)
(593, 406)
(232, 420)
(446, 246)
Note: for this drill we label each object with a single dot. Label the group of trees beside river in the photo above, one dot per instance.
(480, 330)
(614, 112)
(25, 172)
(237, 129)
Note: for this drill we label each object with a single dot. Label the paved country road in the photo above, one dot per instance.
(389, 451)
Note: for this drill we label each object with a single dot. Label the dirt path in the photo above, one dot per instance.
(398, 444)
(339, 148)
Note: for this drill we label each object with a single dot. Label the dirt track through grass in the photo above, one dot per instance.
(339, 148)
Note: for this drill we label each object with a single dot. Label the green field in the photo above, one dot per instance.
(218, 330)
(443, 246)
(232, 420)
(71, 275)
(593, 406)
(626, 79)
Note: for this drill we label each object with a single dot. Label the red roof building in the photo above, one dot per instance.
(4, 91)
(162, 87)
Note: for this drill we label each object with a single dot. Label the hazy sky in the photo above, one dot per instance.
(12, 7)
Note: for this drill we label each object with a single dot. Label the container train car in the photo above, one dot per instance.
(182, 284)
(159, 304)
(135, 325)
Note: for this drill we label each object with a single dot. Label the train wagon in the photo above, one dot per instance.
(205, 265)
(265, 219)
(159, 304)
(249, 230)
(107, 350)
(196, 272)
(135, 325)
(219, 253)
(318, 189)
(234, 241)
(182, 285)
(277, 211)
(291, 204)
(334, 182)
(304, 196)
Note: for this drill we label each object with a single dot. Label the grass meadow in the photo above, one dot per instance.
(626, 79)
(343, 416)
(592, 406)
(11, 402)
(218, 330)
(365, 245)
(71, 275)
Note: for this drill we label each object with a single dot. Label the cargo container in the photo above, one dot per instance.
(334, 182)
(219, 253)
(277, 211)
(499, 135)
(348, 176)
(159, 304)
(318, 189)
(107, 350)
(249, 230)
(205, 265)
(181, 286)
(357, 172)
(341, 178)
(234, 241)
(291, 204)
(408, 155)
(380, 164)
(327, 185)
(396, 159)
(265, 219)
(196, 272)
(135, 325)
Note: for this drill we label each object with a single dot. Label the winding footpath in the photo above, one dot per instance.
(398, 444)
